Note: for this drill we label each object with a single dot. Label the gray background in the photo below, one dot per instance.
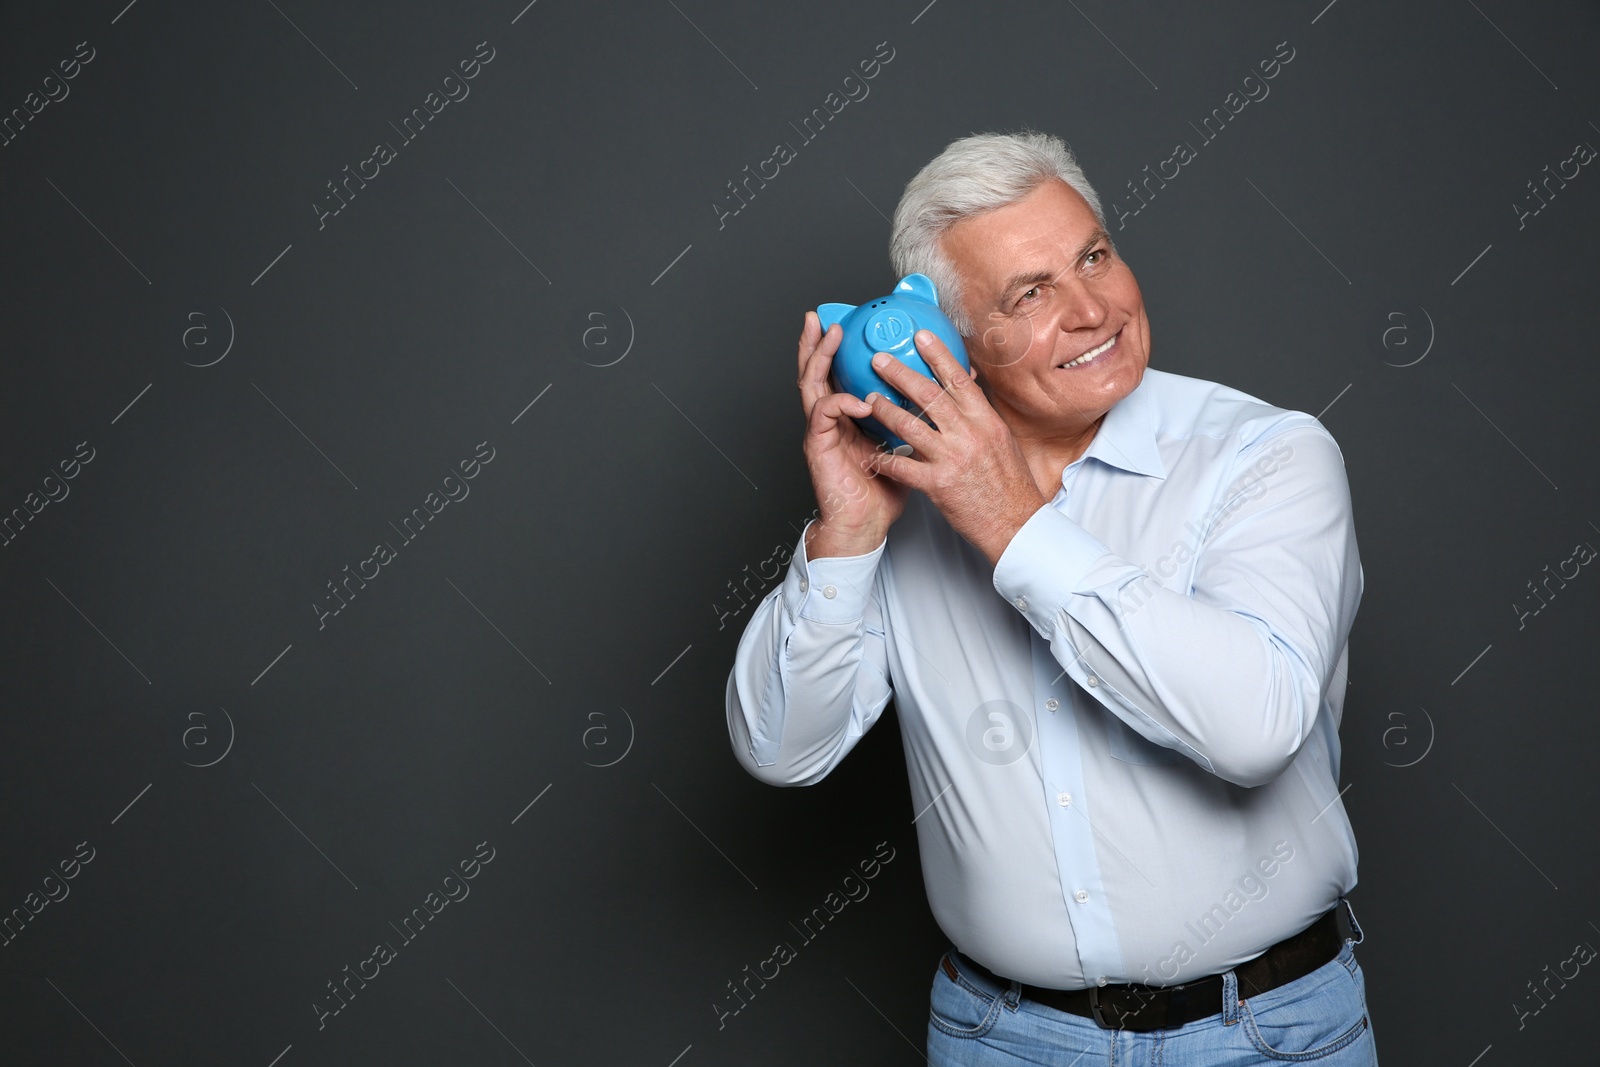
(551, 240)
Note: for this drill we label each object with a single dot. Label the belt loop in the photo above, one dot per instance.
(1012, 995)
(1355, 926)
(1230, 998)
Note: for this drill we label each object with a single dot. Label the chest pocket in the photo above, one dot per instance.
(1129, 746)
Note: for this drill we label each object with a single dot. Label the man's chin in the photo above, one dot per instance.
(1084, 395)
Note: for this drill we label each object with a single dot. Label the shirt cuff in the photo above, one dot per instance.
(833, 589)
(1042, 567)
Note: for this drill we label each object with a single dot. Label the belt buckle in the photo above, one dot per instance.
(1094, 1010)
(1151, 1022)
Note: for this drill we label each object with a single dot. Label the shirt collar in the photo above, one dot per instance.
(1127, 435)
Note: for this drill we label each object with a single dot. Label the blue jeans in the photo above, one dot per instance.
(1320, 1018)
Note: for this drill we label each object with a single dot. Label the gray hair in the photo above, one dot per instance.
(971, 176)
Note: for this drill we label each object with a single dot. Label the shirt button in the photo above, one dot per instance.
(1081, 896)
(1052, 704)
(1093, 680)
(829, 591)
(804, 585)
(1021, 602)
(1101, 980)
(1063, 799)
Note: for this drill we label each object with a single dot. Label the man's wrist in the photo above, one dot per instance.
(1007, 525)
(823, 541)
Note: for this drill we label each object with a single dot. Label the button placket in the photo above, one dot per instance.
(1072, 834)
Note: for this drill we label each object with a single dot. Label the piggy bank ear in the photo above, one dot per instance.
(832, 313)
(919, 286)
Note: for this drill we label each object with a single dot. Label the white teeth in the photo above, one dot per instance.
(1093, 352)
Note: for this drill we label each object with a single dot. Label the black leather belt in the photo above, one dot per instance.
(1134, 1006)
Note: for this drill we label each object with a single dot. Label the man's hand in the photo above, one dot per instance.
(970, 467)
(856, 508)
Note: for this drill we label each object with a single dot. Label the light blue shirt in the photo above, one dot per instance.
(1122, 739)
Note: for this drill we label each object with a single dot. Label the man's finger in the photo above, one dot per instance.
(808, 339)
(814, 366)
(918, 388)
(952, 375)
(902, 469)
(902, 423)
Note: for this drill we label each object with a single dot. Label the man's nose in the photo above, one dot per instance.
(1082, 307)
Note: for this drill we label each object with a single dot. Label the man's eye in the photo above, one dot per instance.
(1031, 292)
(1095, 258)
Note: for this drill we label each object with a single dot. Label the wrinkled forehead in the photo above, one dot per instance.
(991, 273)
(1030, 240)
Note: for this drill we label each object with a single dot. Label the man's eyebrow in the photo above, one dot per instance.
(1097, 237)
(1033, 277)
(1026, 278)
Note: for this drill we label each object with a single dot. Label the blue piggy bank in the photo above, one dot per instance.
(888, 324)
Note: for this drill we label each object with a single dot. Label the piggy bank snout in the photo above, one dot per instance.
(889, 330)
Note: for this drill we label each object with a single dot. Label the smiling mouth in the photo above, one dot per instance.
(1093, 353)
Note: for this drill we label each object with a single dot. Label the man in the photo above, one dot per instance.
(1113, 616)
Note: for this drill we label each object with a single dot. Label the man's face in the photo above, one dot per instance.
(1044, 288)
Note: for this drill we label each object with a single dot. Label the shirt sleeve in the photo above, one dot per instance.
(1231, 666)
(810, 676)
